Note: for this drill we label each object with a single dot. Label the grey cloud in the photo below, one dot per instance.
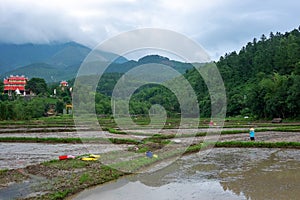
(219, 26)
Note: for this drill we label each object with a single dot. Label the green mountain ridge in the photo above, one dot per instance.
(262, 80)
(58, 55)
(41, 70)
(13, 56)
(68, 69)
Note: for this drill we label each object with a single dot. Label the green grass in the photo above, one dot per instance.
(40, 130)
(114, 131)
(68, 140)
(123, 141)
(253, 144)
(143, 161)
(288, 129)
(3, 171)
(66, 164)
(36, 126)
(242, 144)
(63, 185)
(85, 178)
(109, 123)
(134, 165)
(40, 140)
(60, 195)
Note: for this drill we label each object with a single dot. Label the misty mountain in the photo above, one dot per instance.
(55, 62)
(58, 55)
(42, 70)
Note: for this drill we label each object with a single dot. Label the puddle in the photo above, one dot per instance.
(221, 174)
(23, 189)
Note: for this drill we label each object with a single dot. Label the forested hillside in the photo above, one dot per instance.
(263, 79)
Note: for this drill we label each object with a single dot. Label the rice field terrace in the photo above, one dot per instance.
(30, 149)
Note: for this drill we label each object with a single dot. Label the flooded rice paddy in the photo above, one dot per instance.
(18, 155)
(222, 173)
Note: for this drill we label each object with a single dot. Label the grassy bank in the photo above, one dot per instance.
(224, 132)
(242, 144)
(69, 140)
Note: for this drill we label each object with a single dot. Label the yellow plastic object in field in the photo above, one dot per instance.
(94, 156)
(88, 159)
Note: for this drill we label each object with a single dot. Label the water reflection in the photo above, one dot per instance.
(125, 190)
(273, 178)
(222, 174)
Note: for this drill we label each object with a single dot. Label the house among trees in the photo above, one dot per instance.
(63, 84)
(15, 84)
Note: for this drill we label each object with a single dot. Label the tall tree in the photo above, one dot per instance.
(37, 86)
(1, 87)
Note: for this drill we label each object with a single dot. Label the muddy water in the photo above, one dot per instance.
(220, 174)
(17, 155)
(85, 134)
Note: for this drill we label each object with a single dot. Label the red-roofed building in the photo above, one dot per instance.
(64, 84)
(15, 84)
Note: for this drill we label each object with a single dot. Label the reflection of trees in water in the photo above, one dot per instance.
(253, 173)
(157, 178)
(268, 179)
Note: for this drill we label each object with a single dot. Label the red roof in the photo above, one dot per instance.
(63, 83)
(17, 78)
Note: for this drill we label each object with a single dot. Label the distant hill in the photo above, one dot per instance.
(124, 67)
(72, 53)
(13, 56)
(42, 70)
(61, 62)
(179, 66)
(57, 61)
(58, 55)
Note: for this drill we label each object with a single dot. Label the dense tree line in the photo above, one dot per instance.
(37, 86)
(23, 110)
(263, 78)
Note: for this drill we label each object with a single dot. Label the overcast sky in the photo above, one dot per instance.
(220, 26)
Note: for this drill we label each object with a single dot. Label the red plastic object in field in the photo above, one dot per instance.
(64, 157)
